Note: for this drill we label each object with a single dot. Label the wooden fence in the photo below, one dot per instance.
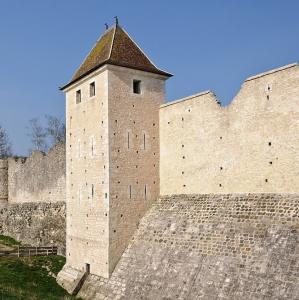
(23, 251)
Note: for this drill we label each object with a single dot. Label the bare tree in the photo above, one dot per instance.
(55, 129)
(5, 145)
(38, 135)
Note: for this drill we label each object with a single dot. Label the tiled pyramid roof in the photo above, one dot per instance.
(115, 47)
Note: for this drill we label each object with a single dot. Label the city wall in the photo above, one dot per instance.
(250, 146)
(3, 181)
(229, 246)
(35, 224)
(37, 178)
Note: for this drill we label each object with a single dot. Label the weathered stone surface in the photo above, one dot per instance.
(3, 182)
(36, 224)
(112, 163)
(71, 279)
(37, 178)
(249, 146)
(242, 246)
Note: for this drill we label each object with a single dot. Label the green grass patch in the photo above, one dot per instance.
(31, 278)
(8, 241)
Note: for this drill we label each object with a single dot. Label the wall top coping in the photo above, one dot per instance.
(272, 71)
(186, 98)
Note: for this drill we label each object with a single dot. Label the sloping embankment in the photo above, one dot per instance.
(209, 247)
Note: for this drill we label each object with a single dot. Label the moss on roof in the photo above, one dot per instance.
(115, 47)
(98, 55)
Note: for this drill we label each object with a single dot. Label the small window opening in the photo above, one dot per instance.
(130, 191)
(92, 191)
(269, 143)
(145, 192)
(137, 86)
(268, 97)
(270, 162)
(128, 140)
(92, 89)
(106, 195)
(144, 142)
(78, 96)
(266, 180)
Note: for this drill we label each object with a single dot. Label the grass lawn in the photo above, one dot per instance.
(7, 243)
(30, 278)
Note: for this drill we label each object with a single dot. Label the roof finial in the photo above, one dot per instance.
(116, 20)
(106, 25)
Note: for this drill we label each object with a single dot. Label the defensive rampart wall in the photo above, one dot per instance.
(250, 146)
(3, 181)
(37, 178)
(35, 224)
(242, 246)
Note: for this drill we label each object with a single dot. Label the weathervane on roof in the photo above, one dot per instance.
(106, 25)
(116, 20)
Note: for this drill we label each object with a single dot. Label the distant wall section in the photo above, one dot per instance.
(250, 146)
(3, 181)
(35, 224)
(38, 178)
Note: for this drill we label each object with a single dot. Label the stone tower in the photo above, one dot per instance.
(112, 151)
(3, 181)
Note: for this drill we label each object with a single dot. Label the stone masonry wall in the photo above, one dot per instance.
(36, 224)
(38, 178)
(242, 246)
(3, 181)
(134, 153)
(250, 146)
(87, 175)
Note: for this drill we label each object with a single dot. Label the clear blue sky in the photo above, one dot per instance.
(205, 44)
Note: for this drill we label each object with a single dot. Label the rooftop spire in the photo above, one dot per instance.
(116, 20)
